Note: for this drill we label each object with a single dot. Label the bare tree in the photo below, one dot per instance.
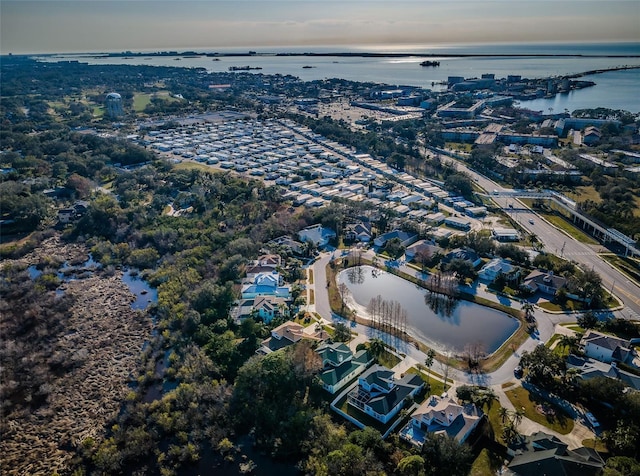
(342, 290)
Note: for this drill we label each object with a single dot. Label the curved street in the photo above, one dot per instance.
(546, 325)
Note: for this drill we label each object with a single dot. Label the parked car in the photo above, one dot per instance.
(518, 372)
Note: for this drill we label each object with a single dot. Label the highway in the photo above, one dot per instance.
(557, 242)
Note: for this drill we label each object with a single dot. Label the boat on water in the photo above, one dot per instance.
(243, 68)
(430, 63)
(307, 67)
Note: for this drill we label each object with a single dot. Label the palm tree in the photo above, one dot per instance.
(429, 362)
(568, 341)
(518, 415)
(376, 347)
(503, 413)
(486, 397)
(528, 308)
(509, 432)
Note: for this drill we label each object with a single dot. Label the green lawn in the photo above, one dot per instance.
(570, 305)
(140, 101)
(187, 164)
(388, 359)
(437, 387)
(487, 463)
(493, 416)
(627, 266)
(568, 227)
(521, 398)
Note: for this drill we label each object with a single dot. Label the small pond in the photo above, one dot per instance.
(448, 329)
(143, 292)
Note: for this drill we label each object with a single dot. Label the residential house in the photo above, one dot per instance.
(606, 348)
(590, 368)
(541, 454)
(405, 238)
(265, 284)
(358, 232)
(422, 247)
(316, 234)
(458, 222)
(288, 334)
(340, 366)
(380, 395)
(269, 261)
(591, 135)
(442, 416)
(288, 243)
(269, 307)
(465, 254)
(505, 234)
(435, 218)
(497, 267)
(547, 283)
(265, 307)
(75, 212)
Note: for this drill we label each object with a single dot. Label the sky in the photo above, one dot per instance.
(50, 26)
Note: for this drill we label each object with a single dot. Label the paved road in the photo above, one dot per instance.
(557, 242)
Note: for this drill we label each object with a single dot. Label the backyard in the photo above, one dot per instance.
(540, 411)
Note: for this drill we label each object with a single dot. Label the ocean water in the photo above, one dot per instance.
(616, 90)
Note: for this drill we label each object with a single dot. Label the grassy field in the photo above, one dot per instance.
(580, 194)
(187, 164)
(140, 101)
(559, 421)
(628, 266)
(569, 228)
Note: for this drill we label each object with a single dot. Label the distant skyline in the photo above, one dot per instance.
(49, 26)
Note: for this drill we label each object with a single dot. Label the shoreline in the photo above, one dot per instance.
(362, 54)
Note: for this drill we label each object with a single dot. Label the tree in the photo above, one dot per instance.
(462, 268)
(411, 466)
(528, 308)
(566, 341)
(342, 291)
(376, 348)
(543, 366)
(622, 466)
(587, 320)
(503, 413)
(459, 183)
(444, 456)
(624, 439)
(394, 248)
(342, 333)
(428, 361)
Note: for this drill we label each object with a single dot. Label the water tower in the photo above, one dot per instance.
(113, 104)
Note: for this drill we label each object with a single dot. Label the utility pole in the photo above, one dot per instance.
(562, 249)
